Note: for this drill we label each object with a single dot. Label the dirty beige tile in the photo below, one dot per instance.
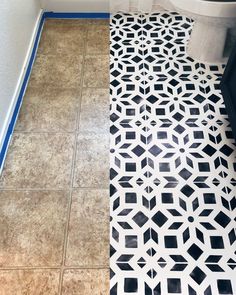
(86, 282)
(98, 39)
(32, 225)
(96, 71)
(48, 109)
(60, 22)
(94, 113)
(63, 71)
(92, 161)
(29, 282)
(89, 229)
(66, 39)
(94, 21)
(40, 160)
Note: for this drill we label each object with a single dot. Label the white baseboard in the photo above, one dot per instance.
(75, 5)
(16, 94)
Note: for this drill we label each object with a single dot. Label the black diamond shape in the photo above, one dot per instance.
(178, 116)
(137, 99)
(198, 275)
(179, 129)
(152, 99)
(185, 174)
(187, 190)
(199, 98)
(138, 150)
(222, 219)
(226, 150)
(159, 218)
(209, 150)
(155, 150)
(195, 251)
(140, 219)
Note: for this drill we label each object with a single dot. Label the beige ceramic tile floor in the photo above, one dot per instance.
(54, 201)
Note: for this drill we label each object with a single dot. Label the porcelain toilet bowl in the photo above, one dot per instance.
(213, 19)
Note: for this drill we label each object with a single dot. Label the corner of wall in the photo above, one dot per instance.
(13, 110)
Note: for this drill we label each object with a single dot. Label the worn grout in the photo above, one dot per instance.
(53, 267)
(66, 234)
(51, 189)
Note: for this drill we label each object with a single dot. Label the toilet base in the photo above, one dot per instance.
(207, 42)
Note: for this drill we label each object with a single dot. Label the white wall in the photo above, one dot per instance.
(76, 5)
(17, 23)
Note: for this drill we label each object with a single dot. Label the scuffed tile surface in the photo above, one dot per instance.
(88, 239)
(84, 282)
(92, 160)
(57, 70)
(59, 115)
(96, 72)
(35, 282)
(98, 39)
(38, 160)
(94, 113)
(32, 227)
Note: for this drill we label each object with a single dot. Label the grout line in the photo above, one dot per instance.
(52, 267)
(51, 189)
(33, 189)
(66, 233)
(44, 132)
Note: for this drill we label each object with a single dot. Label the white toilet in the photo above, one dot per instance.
(213, 19)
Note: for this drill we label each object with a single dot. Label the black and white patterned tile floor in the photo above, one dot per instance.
(173, 164)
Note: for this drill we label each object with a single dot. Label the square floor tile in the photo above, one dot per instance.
(62, 39)
(32, 227)
(86, 281)
(94, 113)
(92, 159)
(40, 160)
(59, 115)
(29, 282)
(96, 71)
(88, 238)
(57, 70)
(98, 39)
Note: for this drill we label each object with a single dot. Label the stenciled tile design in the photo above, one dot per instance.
(173, 164)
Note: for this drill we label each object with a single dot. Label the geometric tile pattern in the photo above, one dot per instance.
(173, 164)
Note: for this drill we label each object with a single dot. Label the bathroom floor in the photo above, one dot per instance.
(54, 199)
(173, 164)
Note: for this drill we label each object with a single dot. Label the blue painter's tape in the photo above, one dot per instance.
(98, 15)
(70, 15)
